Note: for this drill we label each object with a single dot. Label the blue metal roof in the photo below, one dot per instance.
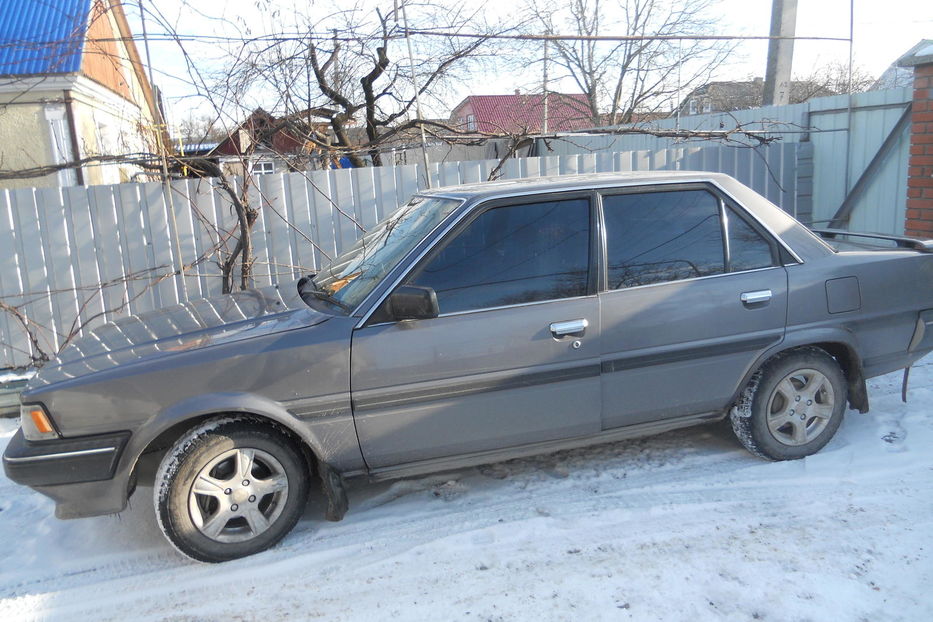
(42, 36)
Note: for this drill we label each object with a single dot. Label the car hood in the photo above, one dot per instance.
(180, 328)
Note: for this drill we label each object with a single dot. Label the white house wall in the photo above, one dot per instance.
(107, 124)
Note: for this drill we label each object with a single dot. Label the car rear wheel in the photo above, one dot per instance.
(230, 488)
(792, 406)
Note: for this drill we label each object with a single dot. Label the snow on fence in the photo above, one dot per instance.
(78, 256)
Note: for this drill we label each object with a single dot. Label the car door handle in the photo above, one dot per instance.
(751, 298)
(569, 327)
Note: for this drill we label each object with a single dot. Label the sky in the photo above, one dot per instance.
(882, 32)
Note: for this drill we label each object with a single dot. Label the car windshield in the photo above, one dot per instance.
(354, 274)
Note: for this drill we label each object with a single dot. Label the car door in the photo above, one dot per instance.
(694, 293)
(513, 357)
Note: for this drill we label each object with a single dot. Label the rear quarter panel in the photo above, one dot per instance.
(874, 297)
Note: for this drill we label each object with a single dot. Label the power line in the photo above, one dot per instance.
(297, 37)
(528, 37)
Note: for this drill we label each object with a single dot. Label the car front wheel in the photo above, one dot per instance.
(230, 488)
(792, 406)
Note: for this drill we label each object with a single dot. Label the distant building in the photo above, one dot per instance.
(264, 145)
(258, 146)
(72, 86)
(518, 113)
(730, 96)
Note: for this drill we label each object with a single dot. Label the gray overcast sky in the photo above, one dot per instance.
(883, 31)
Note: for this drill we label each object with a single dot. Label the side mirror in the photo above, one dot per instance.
(412, 302)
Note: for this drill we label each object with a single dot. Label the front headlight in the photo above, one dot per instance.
(36, 423)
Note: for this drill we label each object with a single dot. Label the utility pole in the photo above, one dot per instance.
(780, 53)
(544, 89)
(414, 80)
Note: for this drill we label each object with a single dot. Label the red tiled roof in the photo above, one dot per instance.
(519, 113)
(258, 126)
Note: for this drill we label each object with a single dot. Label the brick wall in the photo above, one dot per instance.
(920, 171)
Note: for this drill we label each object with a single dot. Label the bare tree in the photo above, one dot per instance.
(348, 68)
(830, 79)
(623, 78)
(200, 129)
(351, 68)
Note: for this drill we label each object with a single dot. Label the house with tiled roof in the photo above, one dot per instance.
(72, 86)
(517, 113)
(264, 144)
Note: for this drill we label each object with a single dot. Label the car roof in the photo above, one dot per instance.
(557, 183)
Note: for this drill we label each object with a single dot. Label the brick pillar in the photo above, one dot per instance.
(920, 165)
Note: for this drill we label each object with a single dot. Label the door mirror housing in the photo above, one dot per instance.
(412, 302)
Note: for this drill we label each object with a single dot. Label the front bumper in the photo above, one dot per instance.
(77, 473)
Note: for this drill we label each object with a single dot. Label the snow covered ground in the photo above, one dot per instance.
(683, 526)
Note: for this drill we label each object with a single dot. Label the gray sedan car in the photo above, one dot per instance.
(476, 324)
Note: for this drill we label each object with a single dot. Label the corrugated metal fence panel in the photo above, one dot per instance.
(821, 123)
(881, 206)
(33, 271)
(11, 337)
(83, 255)
(770, 169)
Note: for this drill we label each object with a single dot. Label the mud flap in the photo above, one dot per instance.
(333, 487)
(858, 390)
(904, 384)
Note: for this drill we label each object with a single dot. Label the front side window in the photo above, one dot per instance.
(658, 237)
(513, 255)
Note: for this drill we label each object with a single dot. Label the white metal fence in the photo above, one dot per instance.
(84, 255)
(844, 160)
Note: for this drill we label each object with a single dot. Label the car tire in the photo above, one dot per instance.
(229, 488)
(792, 406)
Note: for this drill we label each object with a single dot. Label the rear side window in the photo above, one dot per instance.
(662, 236)
(748, 250)
(512, 255)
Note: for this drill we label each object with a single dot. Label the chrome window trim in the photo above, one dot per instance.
(724, 227)
(727, 234)
(520, 304)
(696, 278)
(438, 195)
(583, 187)
(501, 308)
(763, 225)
